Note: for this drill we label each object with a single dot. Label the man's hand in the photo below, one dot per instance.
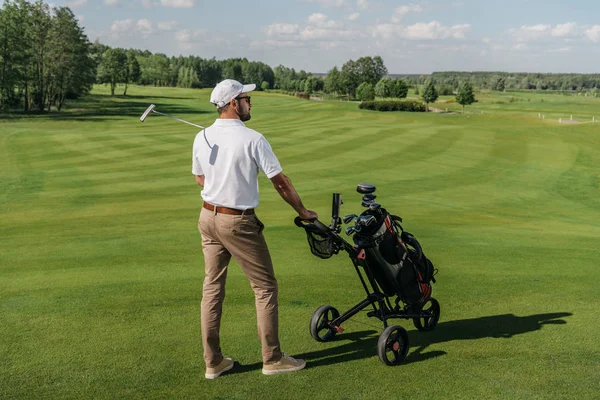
(308, 215)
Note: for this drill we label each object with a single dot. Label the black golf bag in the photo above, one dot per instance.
(395, 258)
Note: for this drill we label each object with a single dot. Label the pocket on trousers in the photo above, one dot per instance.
(248, 225)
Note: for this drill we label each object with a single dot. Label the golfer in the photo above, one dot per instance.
(227, 157)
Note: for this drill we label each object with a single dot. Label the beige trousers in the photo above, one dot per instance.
(239, 236)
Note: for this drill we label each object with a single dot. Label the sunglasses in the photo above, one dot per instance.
(245, 97)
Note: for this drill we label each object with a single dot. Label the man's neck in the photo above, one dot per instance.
(229, 115)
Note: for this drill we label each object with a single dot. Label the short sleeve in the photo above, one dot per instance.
(265, 159)
(196, 168)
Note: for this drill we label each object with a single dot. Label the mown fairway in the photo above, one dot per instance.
(101, 268)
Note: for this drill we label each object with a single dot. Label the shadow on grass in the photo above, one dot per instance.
(100, 108)
(363, 344)
(495, 326)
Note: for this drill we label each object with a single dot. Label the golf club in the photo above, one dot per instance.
(348, 218)
(151, 109)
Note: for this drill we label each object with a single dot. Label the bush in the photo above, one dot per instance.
(303, 95)
(410, 106)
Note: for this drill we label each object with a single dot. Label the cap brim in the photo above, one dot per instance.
(248, 88)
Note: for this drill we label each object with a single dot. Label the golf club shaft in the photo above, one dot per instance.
(178, 119)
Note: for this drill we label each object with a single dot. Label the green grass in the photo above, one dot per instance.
(101, 268)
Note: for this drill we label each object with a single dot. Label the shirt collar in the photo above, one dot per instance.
(228, 122)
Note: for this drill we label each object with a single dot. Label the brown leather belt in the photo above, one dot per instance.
(226, 210)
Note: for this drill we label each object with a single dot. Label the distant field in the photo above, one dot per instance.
(101, 268)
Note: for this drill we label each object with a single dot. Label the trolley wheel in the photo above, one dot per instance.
(392, 346)
(320, 328)
(430, 314)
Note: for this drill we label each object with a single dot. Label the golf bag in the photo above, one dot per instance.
(396, 259)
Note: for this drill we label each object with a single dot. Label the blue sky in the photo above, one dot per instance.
(316, 35)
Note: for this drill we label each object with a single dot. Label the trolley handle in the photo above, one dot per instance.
(314, 225)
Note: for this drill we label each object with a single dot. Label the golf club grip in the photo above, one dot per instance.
(316, 223)
(335, 206)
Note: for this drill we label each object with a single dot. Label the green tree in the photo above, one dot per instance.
(333, 81)
(311, 84)
(132, 71)
(365, 92)
(498, 83)
(15, 53)
(383, 88)
(71, 70)
(399, 89)
(465, 95)
(430, 94)
(350, 77)
(113, 68)
(265, 85)
(370, 69)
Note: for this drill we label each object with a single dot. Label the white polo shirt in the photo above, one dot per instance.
(230, 155)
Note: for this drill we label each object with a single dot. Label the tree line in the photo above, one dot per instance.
(517, 81)
(46, 58)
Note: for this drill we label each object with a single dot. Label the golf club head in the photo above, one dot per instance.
(148, 111)
(350, 230)
(367, 203)
(369, 219)
(364, 188)
(348, 218)
(369, 197)
(374, 206)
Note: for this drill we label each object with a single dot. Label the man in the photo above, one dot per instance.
(227, 157)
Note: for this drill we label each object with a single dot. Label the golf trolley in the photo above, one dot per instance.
(394, 265)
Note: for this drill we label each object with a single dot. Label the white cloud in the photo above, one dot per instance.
(486, 40)
(121, 26)
(421, 31)
(111, 2)
(167, 25)
(321, 21)
(281, 29)
(316, 33)
(401, 11)
(528, 33)
(327, 3)
(168, 3)
(275, 44)
(130, 26)
(520, 47)
(188, 38)
(593, 33)
(362, 4)
(435, 30)
(183, 36)
(144, 27)
(178, 3)
(353, 17)
(561, 50)
(562, 30)
(80, 18)
(76, 3)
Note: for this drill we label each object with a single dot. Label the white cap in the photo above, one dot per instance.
(227, 90)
